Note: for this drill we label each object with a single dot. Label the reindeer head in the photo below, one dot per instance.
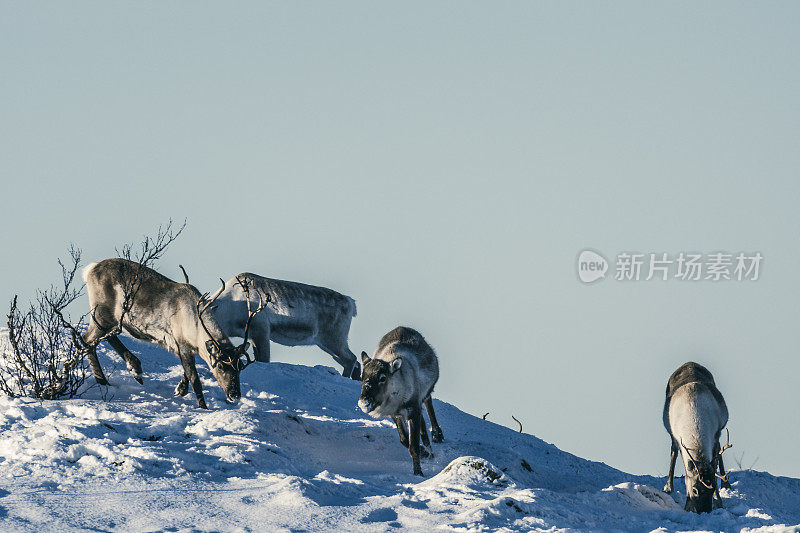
(225, 359)
(701, 477)
(377, 386)
(700, 481)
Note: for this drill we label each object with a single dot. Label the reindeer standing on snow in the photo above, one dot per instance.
(127, 296)
(297, 315)
(396, 382)
(694, 415)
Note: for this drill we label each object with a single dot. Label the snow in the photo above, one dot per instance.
(297, 454)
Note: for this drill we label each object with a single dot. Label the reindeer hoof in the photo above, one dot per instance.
(724, 484)
(418, 472)
(667, 489)
(202, 404)
(437, 436)
(139, 379)
(182, 389)
(101, 381)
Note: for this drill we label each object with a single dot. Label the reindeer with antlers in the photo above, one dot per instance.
(694, 415)
(127, 296)
(298, 315)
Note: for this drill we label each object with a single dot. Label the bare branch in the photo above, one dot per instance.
(42, 358)
(518, 422)
(16, 324)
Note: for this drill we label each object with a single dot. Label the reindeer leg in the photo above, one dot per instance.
(355, 366)
(673, 455)
(183, 386)
(436, 431)
(93, 333)
(333, 340)
(716, 502)
(425, 451)
(413, 440)
(97, 370)
(261, 350)
(131, 361)
(401, 430)
(198, 390)
(190, 372)
(350, 366)
(259, 338)
(716, 499)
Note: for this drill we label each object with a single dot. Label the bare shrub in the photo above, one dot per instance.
(42, 356)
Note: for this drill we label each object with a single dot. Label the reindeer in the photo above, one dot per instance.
(125, 295)
(396, 382)
(694, 415)
(298, 315)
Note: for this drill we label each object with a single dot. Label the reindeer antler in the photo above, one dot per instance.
(200, 311)
(727, 442)
(706, 485)
(694, 465)
(185, 275)
(263, 300)
(689, 454)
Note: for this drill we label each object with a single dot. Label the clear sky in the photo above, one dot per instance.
(443, 163)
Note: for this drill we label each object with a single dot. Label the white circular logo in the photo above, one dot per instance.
(591, 266)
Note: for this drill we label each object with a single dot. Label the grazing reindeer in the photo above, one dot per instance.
(124, 295)
(298, 315)
(396, 382)
(694, 415)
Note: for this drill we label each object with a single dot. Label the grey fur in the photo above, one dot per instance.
(297, 315)
(694, 416)
(164, 312)
(396, 382)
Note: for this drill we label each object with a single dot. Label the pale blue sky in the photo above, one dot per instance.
(444, 164)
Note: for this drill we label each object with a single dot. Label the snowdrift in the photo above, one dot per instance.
(297, 454)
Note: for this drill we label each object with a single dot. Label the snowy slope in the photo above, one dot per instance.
(297, 454)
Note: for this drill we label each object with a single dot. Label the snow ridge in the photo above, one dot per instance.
(296, 453)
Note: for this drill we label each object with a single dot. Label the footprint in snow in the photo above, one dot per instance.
(415, 504)
(384, 514)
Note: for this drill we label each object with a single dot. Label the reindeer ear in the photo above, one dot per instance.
(364, 358)
(396, 364)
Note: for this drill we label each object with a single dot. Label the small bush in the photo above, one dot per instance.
(42, 355)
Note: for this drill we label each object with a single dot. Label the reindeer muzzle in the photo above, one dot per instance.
(233, 397)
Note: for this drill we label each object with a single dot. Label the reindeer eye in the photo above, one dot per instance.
(382, 379)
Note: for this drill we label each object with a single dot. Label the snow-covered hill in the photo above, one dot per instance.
(296, 454)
